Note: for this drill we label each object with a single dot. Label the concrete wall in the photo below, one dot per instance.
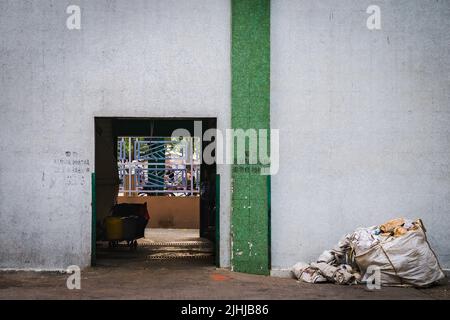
(160, 58)
(364, 119)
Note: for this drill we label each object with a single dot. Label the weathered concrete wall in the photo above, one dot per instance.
(157, 58)
(364, 119)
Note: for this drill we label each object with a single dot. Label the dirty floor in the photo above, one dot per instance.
(179, 265)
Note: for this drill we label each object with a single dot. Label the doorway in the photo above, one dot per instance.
(141, 166)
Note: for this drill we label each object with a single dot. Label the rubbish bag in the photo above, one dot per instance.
(402, 260)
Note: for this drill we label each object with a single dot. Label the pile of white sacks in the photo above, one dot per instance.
(398, 249)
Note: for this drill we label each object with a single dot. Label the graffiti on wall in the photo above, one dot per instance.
(74, 168)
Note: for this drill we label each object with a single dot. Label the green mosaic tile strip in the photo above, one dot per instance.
(250, 62)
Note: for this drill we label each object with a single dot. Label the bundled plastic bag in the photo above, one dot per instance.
(402, 260)
(305, 273)
(342, 274)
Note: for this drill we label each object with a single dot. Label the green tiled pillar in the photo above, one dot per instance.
(250, 64)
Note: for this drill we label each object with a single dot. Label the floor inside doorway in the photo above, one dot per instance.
(171, 235)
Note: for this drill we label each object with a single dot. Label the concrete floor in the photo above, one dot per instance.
(168, 235)
(183, 269)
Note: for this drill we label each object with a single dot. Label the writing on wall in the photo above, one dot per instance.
(74, 169)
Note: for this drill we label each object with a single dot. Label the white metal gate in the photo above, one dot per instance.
(159, 165)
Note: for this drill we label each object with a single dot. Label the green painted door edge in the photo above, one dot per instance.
(217, 253)
(250, 109)
(269, 213)
(94, 220)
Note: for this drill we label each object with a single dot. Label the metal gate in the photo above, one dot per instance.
(159, 165)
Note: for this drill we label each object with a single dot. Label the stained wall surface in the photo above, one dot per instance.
(137, 58)
(364, 119)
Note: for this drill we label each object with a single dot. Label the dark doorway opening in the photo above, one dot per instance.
(139, 164)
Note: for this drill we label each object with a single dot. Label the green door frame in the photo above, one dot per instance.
(94, 221)
(217, 221)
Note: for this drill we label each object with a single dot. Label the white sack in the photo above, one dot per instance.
(403, 260)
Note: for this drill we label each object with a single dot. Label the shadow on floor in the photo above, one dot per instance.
(160, 247)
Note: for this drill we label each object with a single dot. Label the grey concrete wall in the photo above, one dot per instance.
(159, 58)
(364, 119)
